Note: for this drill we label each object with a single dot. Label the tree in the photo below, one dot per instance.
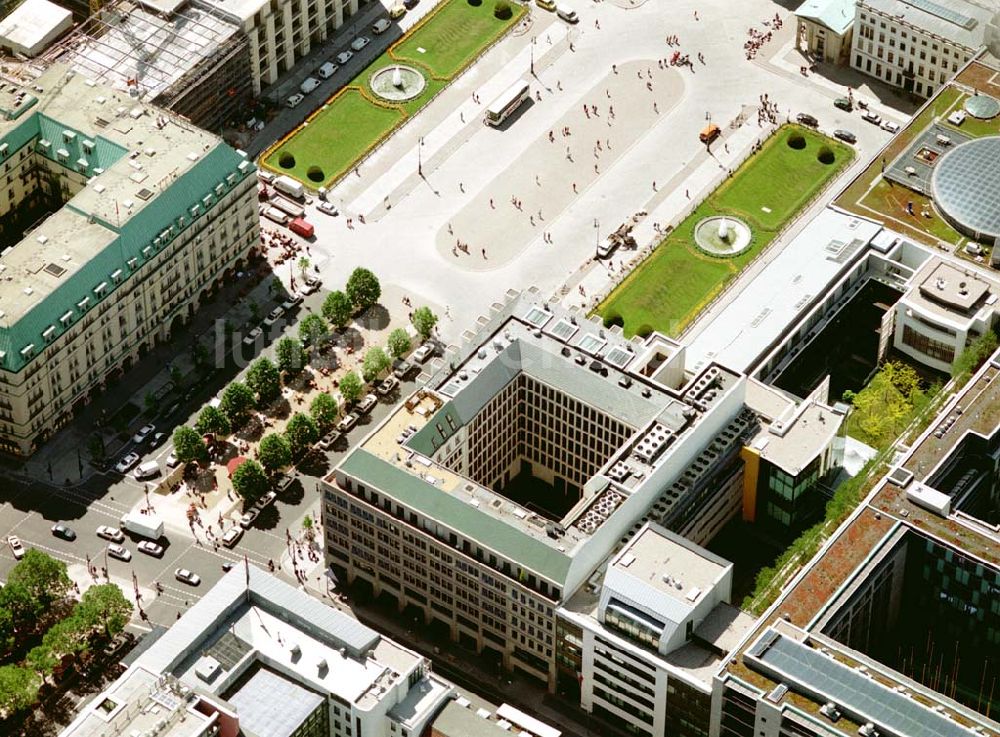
(313, 329)
(304, 265)
(502, 10)
(274, 452)
(974, 355)
(103, 609)
(24, 608)
(6, 629)
(41, 660)
(199, 355)
(398, 343)
(424, 321)
(43, 577)
(351, 387)
(176, 376)
(254, 310)
(237, 400)
(211, 421)
(337, 308)
(324, 410)
(149, 401)
(249, 481)
(301, 432)
(18, 688)
(309, 528)
(95, 446)
(290, 358)
(363, 289)
(188, 444)
(374, 363)
(264, 380)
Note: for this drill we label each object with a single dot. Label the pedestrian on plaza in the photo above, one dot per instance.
(595, 169)
(654, 185)
(586, 111)
(492, 206)
(574, 187)
(461, 187)
(655, 108)
(614, 68)
(559, 85)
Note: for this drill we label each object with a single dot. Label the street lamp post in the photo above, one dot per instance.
(531, 48)
(420, 159)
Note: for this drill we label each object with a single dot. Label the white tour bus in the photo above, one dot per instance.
(502, 107)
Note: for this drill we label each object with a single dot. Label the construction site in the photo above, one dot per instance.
(185, 57)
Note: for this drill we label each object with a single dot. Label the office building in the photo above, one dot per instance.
(918, 45)
(32, 26)
(892, 629)
(149, 215)
(257, 656)
(529, 455)
(642, 644)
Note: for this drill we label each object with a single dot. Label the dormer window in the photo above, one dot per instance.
(116, 276)
(133, 263)
(83, 304)
(49, 333)
(28, 351)
(66, 319)
(101, 288)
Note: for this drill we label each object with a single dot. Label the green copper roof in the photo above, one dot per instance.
(482, 527)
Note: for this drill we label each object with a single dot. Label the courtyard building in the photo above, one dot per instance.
(918, 45)
(256, 656)
(118, 220)
(531, 453)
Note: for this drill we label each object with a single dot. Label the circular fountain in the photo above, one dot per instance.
(397, 83)
(722, 235)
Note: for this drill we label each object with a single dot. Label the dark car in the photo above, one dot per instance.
(61, 530)
(843, 103)
(845, 136)
(807, 119)
(410, 4)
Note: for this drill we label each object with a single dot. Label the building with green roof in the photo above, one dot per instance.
(118, 220)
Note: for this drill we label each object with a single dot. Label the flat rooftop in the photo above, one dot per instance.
(136, 704)
(770, 304)
(32, 22)
(173, 40)
(948, 286)
(670, 564)
(257, 701)
(959, 21)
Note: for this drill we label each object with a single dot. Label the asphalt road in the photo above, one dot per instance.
(29, 511)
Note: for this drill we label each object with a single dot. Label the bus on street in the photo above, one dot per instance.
(502, 107)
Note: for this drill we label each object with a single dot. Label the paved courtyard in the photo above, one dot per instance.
(405, 224)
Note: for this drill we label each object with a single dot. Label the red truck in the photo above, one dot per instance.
(302, 227)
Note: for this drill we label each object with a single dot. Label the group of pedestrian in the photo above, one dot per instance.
(757, 38)
(767, 112)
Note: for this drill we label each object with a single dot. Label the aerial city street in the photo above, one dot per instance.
(471, 367)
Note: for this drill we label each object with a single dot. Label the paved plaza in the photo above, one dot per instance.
(419, 209)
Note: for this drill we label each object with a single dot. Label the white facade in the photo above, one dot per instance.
(914, 49)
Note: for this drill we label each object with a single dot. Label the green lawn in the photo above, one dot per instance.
(668, 290)
(335, 138)
(456, 34)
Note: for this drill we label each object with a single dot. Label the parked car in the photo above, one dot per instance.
(61, 530)
(291, 303)
(397, 11)
(147, 470)
(327, 70)
(189, 577)
(232, 536)
(248, 519)
(843, 103)
(16, 546)
(348, 422)
(126, 463)
(410, 4)
(157, 439)
(359, 43)
(251, 337)
(807, 119)
(888, 125)
(423, 353)
(273, 316)
(265, 501)
(402, 369)
(343, 57)
(311, 285)
(120, 552)
(281, 482)
(329, 440)
(143, 432)
(111, 533)
(871, 117)
(388, 386)
(295, 99)
(845, 136)
(172, 460)
(381, 26)
(367, 404)
(150, 548)
(327, 207)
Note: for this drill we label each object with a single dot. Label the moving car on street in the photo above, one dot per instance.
(111, 533)
(150, 548)
(126, 463)
(120, 552)
(61, 530)
(189, 577)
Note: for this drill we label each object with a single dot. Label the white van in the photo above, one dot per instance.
(147, 470)
(308, 85)
(327, 70)
(566, 13)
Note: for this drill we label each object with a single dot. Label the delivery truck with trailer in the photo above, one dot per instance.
(144, 525)
(293, 210)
